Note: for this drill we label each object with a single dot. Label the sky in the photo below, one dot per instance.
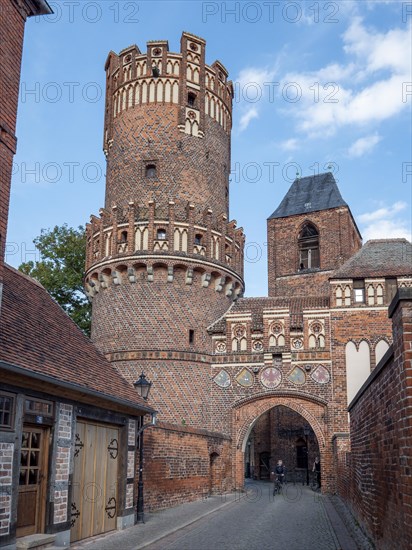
(318, 86)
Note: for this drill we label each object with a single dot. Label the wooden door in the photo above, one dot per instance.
(31, 506)
(94, 496)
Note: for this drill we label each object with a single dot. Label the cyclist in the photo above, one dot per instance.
(280, 472)
(316, 469)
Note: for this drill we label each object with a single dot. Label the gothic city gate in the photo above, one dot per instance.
(94, 500)
(247, 413)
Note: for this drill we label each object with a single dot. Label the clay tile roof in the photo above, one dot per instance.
(310, 194)
(256, 306)
(37, 335)
(378, 258)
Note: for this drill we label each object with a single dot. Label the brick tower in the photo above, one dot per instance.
(310, 234)
(163, 262)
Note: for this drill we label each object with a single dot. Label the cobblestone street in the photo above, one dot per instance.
(299, 519)
(295, 520)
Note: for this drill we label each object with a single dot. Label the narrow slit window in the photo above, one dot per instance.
(191, 99)
(161, 234)
(151, 171)
(191, 336)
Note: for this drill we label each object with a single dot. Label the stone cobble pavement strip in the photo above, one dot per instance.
(298, 519)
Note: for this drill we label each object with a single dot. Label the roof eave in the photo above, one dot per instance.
(15, 369)
(38, 7)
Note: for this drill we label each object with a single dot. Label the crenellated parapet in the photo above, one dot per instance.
(141, 230)
(136, 79)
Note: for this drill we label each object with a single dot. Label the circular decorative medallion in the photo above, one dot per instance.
(191, 114)
(316, 328)
(257, 345)
(194, 47)
(239, 331)
(277, 328)
(156, 52)
(220, 347)
(271, 377)
(297, 343)
(128, 58)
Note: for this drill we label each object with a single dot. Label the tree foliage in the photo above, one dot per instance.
(60, 270)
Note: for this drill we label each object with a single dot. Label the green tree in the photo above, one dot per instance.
(60, 270)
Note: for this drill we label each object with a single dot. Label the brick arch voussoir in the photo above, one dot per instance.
(245, 415)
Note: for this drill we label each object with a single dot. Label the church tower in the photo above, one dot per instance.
(310, 234)
(163, 260)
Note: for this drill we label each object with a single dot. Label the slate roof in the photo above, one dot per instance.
(310, 194)
(39, 337)
(378, 258)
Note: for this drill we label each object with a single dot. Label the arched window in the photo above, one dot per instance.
(123, 237)
(151, 171)
(191, 98)
(308, 243)
(198, 239)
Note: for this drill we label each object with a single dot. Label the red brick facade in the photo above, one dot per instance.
(339, 239)
(237, 380)
(381, 434)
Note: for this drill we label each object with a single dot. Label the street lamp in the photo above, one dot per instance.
(142, 386)
(306, 432)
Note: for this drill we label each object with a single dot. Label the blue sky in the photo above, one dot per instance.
(317, 84)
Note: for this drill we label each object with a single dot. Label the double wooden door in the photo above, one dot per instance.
(31, 506)
(94, 495)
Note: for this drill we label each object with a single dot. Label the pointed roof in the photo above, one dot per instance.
(378, 258)
(310, 194)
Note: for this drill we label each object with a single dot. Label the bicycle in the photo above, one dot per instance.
(278, 485)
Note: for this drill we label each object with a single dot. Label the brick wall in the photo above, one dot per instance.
(381, 436)
(183, 464)
(338, 241)
(62, 463)
(12, 20)
(6, 472)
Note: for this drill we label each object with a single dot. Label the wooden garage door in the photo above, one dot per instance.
(94, 501)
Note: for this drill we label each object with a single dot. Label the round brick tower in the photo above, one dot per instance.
(163, 262)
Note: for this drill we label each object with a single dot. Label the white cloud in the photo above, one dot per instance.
(363, 145)
(385, 223)
(383, 212)
(367, 89)
(251, 87)
(387, 229)
(291, 144)
(247, 117)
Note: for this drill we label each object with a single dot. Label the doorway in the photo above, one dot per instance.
(94, 500)
(31, 508)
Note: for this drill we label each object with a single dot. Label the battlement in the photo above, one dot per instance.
(136, 79)
(147, 229)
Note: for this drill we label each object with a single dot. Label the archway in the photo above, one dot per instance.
(288, 420)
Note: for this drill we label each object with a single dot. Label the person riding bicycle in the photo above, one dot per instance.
(280, 472)
(316, 469)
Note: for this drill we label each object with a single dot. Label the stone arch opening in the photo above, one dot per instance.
(282, 434)
(275, 425)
